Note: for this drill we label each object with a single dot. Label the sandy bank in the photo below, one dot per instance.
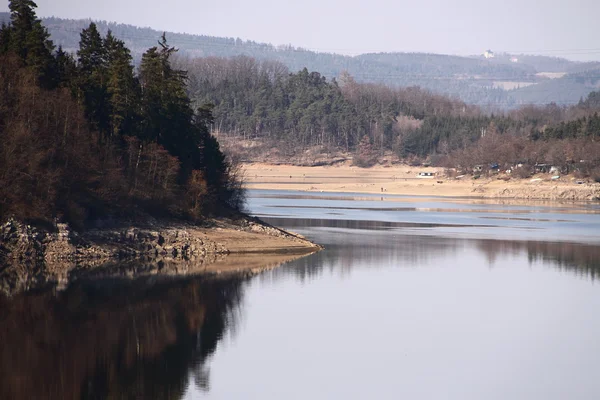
(404, 180)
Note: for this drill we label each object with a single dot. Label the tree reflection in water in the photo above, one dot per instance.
(580, 259)
(149, 338)
(114, 339)
(353, 244)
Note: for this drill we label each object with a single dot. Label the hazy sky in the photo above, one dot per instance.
(563, 28)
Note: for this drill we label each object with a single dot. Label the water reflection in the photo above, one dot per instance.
(579, 259)
(114, 339)
(431, 298)
(151, 337)
(453, 218)
(20, 276)
(357, 223)
(353, 244)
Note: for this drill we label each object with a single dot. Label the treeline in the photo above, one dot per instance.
(563, 137)
(579, 128)
(472, 79)
(294, 111)
(255, 99)
(86, 137)
(500, 152)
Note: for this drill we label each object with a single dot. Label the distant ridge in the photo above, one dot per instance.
(497, 83)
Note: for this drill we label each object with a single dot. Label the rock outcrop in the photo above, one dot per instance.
(20, 241)
(33, 257)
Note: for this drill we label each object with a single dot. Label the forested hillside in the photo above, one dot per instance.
(262, 99)
(474, 80)
(148, 134)
(293, 112)
(85, 137)
(569, 89)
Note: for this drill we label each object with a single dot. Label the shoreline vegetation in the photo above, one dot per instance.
(402, 179)
(104, 163)
(88, 137)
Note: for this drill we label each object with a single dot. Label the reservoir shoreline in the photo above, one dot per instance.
(405, 180)
(31, 257)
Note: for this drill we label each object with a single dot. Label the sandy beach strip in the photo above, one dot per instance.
(405, 180)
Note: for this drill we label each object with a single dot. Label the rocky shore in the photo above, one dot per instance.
(171, 239)
(31, 257)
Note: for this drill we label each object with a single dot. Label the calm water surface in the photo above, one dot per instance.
(418, 298)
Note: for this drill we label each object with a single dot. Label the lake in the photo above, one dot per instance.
(421, 298)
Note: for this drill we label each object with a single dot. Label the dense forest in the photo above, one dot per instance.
(496, 83)
(262, 99)
(84, 136)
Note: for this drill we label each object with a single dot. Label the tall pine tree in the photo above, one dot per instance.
(166, 106)
(66, 68)
(92, 80)
(123, 87)
(27, 38)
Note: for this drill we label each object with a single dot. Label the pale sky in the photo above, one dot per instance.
(562, 28)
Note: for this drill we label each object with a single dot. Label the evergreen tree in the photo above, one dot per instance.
(169, 121)
(75, 156)
(27, 38)
(166, 107)
(122, 87)
(91, 53)
(212, 160)
(93, 79)
(5, 32)
(66, 68)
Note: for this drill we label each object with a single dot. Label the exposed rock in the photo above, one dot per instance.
(32, 257)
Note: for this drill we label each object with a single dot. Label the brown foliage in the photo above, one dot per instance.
(53, 166)
(365, 156)
(151, 172)
(49, 160)
(508, 150)
(197, 193)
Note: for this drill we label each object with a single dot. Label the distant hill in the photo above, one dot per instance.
(475, 80)
(569, 89)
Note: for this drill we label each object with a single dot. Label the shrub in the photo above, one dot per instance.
(523, 172)
(365, 156)
(596, 175)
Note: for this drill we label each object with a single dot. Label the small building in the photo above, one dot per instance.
(488, 54)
